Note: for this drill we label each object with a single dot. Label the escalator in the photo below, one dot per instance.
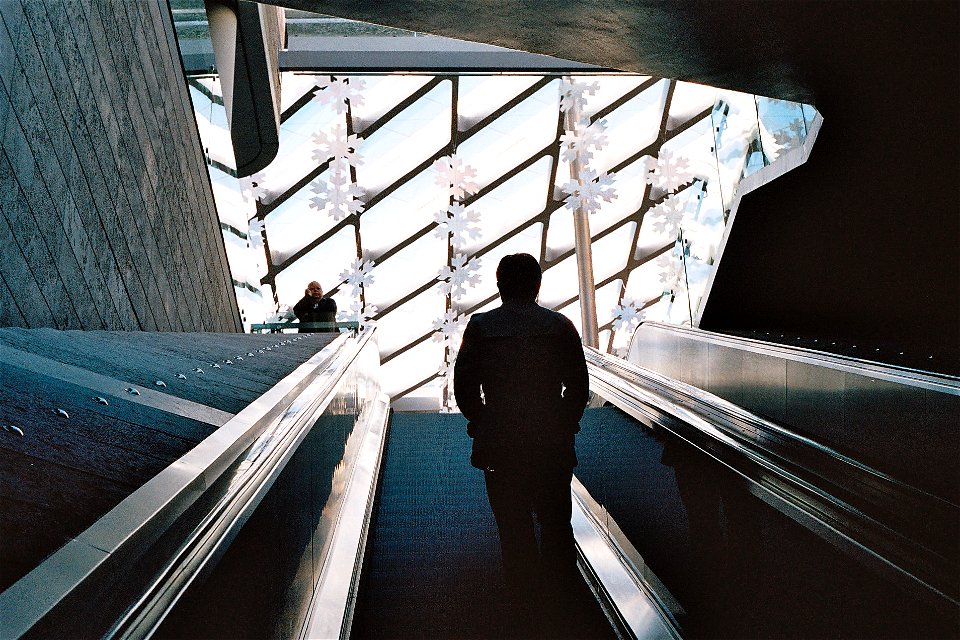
(694, 518)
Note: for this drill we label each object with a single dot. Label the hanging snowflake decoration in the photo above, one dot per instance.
(458, 275)
(668, 270)
(668, 215)
(587, 191)
(671, 277)
(456, 176)
(358, 275)
(362, 314)
(255, 230)
(627, 315)
(668, 172)
(583, 140)
(339, 93)
(337, 146)
(251, 187)
(336, 195)
(571, 92)
(458, 224)
(449, 328)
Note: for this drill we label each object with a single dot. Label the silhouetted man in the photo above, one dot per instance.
(313, 307)
(521, 381)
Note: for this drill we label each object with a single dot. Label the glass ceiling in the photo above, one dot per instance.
(400, 193)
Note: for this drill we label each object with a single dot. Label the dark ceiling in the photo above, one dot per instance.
(797, 50)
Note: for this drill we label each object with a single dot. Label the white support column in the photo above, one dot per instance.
(583, 247)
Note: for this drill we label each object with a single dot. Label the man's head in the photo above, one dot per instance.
(314, 290)
(518, 277)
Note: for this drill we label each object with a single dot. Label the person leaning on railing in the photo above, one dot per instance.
(313, 307)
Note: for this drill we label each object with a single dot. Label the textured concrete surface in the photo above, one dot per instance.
(106, 210)
(74, 442)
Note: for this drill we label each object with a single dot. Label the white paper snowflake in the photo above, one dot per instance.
(668, 172)
(358, 275)
(667, 266)
(340, 92)
(583, 140)
(458, 223)
(627, 315)
(589, 190)
(336, 195)
(364, 315)
(571, 92)
(255, 230)
(668, 215)
(458, 275)
(252, 187)
(449, 328)
(337, 146)
(456, 176)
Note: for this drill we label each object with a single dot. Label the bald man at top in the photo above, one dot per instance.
(313, 307)
(520, 380)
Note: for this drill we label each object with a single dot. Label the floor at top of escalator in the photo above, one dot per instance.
(432, 568)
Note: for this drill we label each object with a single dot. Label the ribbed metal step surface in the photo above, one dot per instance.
(433, 561)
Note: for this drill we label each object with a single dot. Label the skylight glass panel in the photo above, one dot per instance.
(782, 126)
(293, 225)
(294, 86)
(610, 253)
(610, 88)
(409, 321)
(689, 100)
(401, 214)
(511, 204)
(383, 93)
(406, 270)
(231, 206)
(480, 96)
(736, 139)
(323, 264)
(630, 129)
(411, 367)
(651, 278)
(406, 141)
(513, 137)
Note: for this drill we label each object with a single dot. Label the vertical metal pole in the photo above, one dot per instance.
(584, 250)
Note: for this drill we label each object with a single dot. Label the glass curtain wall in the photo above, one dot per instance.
(400, 193)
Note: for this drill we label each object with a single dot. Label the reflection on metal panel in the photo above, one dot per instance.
(900, 421)
(902, 533)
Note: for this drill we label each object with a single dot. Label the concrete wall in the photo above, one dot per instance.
(107, 218)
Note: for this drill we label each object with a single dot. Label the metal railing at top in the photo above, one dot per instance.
(279, 327)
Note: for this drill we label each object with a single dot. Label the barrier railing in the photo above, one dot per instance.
(124, 574)
(279, 327)
(852, 505)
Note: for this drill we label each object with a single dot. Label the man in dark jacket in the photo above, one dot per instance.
(313, 307)
(520, 380)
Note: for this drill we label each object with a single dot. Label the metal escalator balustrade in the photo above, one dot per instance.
(897, 420)
(133, 571)
(864, 512)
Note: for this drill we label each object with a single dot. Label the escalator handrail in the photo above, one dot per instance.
(779, 464)
(939, 382)
(231, 469)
